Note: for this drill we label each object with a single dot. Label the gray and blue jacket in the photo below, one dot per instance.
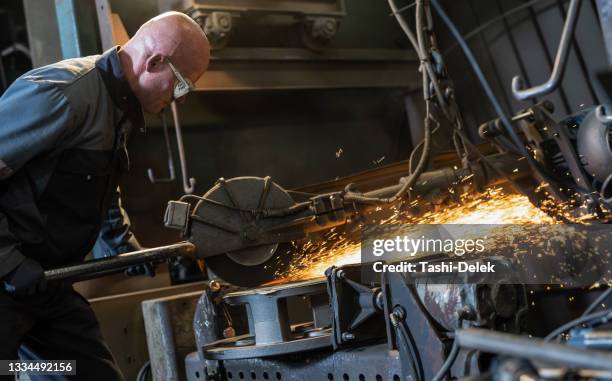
(63, 133)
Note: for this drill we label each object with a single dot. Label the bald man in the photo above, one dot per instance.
(63, 133)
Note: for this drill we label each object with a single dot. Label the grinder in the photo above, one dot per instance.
(243, 227)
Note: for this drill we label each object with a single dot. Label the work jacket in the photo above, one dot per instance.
(63, 133)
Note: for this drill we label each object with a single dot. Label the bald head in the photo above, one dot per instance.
(170, 37)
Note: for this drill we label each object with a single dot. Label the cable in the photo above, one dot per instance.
(493, 99)
(143, 373)
(604, 295)
(601, 316)
(452, 356)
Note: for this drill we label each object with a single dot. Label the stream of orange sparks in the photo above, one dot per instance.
(492, 207)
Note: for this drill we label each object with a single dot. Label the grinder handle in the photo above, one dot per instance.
(104, 266)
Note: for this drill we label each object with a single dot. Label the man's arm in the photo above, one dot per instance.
(34, 116)
(115, 235)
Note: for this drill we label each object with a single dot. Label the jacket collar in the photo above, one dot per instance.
(118, 87)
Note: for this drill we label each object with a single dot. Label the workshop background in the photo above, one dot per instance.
(270, 106)
(274, 103)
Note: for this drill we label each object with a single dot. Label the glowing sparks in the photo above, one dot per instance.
(311, 259)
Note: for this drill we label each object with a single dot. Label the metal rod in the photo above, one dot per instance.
(545, 49)
(188, 182)
(532, 349)
(560, 60)
(104, 266)
(171, 174)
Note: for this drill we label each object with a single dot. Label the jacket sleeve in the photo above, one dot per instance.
(115, 236)
(34, 116)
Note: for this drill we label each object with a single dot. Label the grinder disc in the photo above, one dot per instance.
(217, 226)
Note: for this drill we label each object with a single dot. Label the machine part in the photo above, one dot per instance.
(410, 328)
(96, 268)
(316, 33)
(216, 24)
(373, 362)
(595, 145)
(270, 330)
(217, 27)
(600, 111)
(171, 174)
(560, 60)
(170, 335)
(356, 308)
(319, 20)
(227, 221)
(177, 215)
(242, 225)
(532, 349)
(188, 182)
(590, 338)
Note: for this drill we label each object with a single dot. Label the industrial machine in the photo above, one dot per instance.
(351, 324)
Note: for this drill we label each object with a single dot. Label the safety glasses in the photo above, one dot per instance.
(183, 85)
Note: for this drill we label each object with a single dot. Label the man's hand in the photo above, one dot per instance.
(27, 279)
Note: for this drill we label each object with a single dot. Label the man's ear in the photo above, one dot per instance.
(154, 62)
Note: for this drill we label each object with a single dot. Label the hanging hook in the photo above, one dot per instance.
(560, 60)
(172, 176)
(188, 185)
(600, 113)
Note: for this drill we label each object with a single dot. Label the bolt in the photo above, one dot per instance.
(224, 21)
(399, 312)
(347, 336)
(214, 286)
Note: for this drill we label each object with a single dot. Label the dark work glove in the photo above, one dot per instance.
(27, 279)
(143, 269)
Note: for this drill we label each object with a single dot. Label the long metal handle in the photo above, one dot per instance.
(600, 113)
(188, 182)
(104, 266)
(560, 60)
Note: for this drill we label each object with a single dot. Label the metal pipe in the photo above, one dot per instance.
(100, 267)
(532, 349)
(448, 177)
(560, 60)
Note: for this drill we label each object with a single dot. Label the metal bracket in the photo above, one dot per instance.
(600, 113)
(560, 60)
(188, 182)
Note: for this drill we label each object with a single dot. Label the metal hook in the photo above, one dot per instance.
(600, 113)
(560, 60)
(188, 185)
(172, 176)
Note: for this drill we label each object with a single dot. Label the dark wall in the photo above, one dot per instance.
(14, 55)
